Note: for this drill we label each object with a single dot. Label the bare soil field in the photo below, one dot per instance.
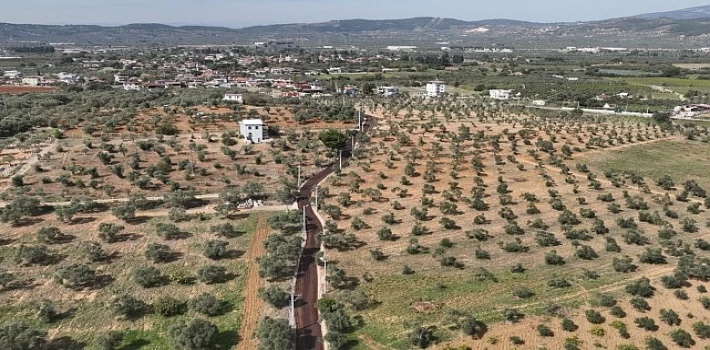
(14, 90)
(693, 66)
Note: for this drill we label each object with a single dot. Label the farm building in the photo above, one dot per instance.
(252, 129)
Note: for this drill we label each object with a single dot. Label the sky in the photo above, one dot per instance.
(243, 13)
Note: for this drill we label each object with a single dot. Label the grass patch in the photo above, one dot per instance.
(682, 160)
(386, 324)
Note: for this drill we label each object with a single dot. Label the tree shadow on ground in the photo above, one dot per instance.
(64, 343)
(227, 339)
(135, 344)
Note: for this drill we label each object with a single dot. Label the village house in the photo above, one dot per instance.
(31, 81)
(387, 91)
(67, 78)
(236, 98)
(252, 130)
(132, 86)
(12, 74)
(435, 88)
(500, 94)
(350, 90)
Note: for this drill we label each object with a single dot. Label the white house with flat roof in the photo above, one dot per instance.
(387, 90)
(12, 74)
(236, 98)
(252, 129)
(435, 88)
(499, 94)
(31, 81)
(132, 86)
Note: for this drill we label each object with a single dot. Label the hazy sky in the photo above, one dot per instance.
(241, 13)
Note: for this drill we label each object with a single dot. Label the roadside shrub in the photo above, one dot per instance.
(275, 296)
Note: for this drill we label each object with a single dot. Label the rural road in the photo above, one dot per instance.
(308, 331)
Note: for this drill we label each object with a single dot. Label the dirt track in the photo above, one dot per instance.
(252, 302)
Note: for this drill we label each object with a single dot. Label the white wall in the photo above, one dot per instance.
(255, 130)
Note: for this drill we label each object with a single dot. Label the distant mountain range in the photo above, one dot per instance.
(684, 14)
(656, 29)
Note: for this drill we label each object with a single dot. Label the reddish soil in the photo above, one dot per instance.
(12, 89)
(252, 302)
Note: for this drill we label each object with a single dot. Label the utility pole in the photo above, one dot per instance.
(340, 152)
(299, 176)
(292, 317)
(325, 273)
(359, 118)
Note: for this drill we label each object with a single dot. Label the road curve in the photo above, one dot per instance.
(308, 329)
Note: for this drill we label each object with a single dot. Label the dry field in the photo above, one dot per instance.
(14, 90)
(432, 175)
(202, 142)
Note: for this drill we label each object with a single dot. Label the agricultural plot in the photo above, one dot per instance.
(85, 282)
(160, 151)
(488, 230)
(126, 230)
